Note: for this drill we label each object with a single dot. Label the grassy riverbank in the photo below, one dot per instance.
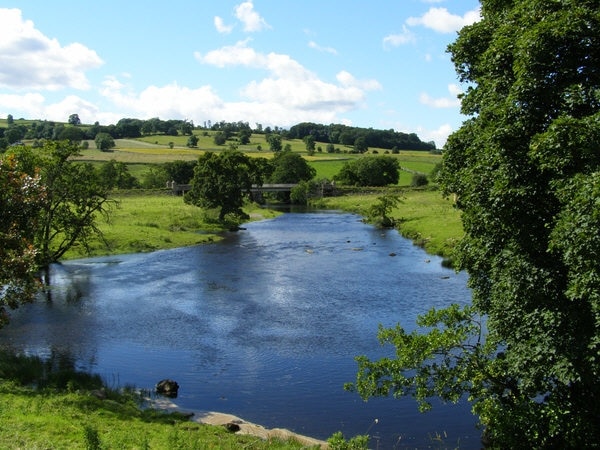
(72, 410)
(424, 216)
(143, 222)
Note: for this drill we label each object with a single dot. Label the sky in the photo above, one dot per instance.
(377, 64)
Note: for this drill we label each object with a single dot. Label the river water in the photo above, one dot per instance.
(264, 325)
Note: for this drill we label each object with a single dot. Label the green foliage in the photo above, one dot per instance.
(524, 171)
(338, 442)
(379, 212)
(222, 181)
(21, 196)
(104, 141)
(369, 171)
(289, 167)
(419, 180)
(220, 138)
(274, 141)
(75, 195)
(91, 437)
(116, 175)
(192, 141)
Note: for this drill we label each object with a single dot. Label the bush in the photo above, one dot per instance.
(419, 179)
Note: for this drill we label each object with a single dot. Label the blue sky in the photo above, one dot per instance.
(380, 64)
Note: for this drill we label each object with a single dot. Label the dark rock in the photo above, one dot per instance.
(167, 388)
(232, 427)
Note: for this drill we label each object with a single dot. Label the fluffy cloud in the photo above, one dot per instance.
(404, 37)
(442, 21)
(443, 102)
(221, 27)
(30, 60)
(250, 18)
(288, 82)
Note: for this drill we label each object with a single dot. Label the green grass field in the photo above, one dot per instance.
(155, 221)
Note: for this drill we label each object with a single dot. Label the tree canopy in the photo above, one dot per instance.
(222, 180)
(369, 171)
(75, 194)
(20, 198)
(525, 170)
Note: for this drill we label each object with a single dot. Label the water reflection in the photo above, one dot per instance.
(264, 325)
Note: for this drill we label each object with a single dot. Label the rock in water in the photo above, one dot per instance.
(168, 388)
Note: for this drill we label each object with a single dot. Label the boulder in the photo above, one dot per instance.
(168, 388)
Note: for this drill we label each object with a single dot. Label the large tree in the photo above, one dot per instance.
(289, 167)
(222, 181)
(20, 198)
(75, 196)
(525, 170)
(369, 171)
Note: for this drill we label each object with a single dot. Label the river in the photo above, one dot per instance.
(264, 325)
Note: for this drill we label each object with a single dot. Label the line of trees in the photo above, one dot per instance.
(359, 138)
(347, 135)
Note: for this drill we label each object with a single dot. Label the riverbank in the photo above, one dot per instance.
(238, 425)
(145, 222)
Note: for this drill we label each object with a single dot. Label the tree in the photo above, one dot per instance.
(369, 171)
(20, 198)
(309, 142)
(360, 145)
(72, 134)
(290, 167)
(274, 141)
(525, 170)
(104, 141)
(222, 180)
(115, 174)
(9, 119)
(220, 138)
(74, 119)
(379, 212)
(244, 136)
(74, 197)
(192, 141)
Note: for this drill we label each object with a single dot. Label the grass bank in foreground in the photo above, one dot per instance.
(78, 420)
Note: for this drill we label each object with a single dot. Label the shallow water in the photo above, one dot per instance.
(264, 325)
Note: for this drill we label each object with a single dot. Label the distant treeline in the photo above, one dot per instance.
(74, 130)
(346, 135)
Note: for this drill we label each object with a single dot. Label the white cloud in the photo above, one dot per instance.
(443, 102)
(347, 79)
(442, 21)
(289, 91)
(250, 18)
(232, 55)
(30, 60)
(395, 40)
(221, 27)
(314, 45)
(30, 103)
(439, 135)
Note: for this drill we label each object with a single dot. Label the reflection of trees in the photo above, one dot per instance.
(70, 287)
(57, 371)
